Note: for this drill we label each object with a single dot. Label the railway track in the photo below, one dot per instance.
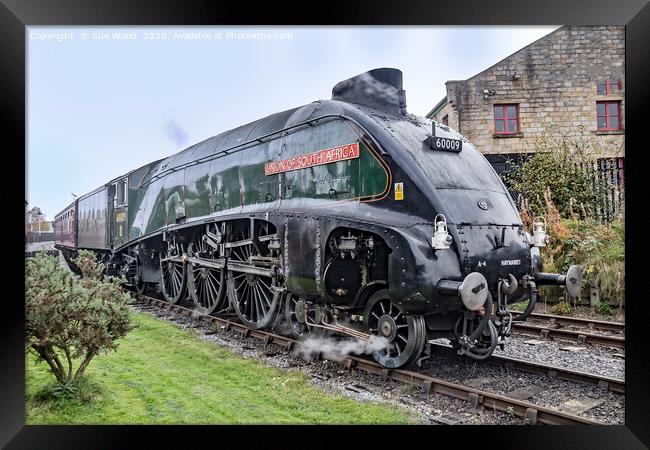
(529, 412)
(555, 320)
(580, 337)
(614, 385)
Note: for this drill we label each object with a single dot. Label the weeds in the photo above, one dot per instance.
(604, 309)
(80, 390)
(521, 306)
(562, 309)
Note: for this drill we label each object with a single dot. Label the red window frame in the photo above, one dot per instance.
(445, 120)
(608, 116)
(505, 118)
(609, 83)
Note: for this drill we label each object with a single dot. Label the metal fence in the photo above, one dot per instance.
(35, 236)
(610, 173)
(608, 178)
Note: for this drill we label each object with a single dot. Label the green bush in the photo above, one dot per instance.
(70, 319)
(560, 166)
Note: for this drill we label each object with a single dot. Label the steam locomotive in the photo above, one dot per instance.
(346, 215)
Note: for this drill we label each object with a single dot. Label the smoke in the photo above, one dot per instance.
(339, 350)
(175, 133)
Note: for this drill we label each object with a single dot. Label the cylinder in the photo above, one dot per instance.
(553, 279)
(449, 287)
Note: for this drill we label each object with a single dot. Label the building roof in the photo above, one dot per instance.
(520, 50)
(437, 108)
(442, 102)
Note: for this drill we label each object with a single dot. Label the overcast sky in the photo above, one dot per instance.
(100, 104)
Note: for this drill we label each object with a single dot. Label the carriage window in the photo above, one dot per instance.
(121, 192)
(334, 180)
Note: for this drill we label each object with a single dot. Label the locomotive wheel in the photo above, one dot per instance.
(206, 285)
(406, 335)
(172, 273)
(299, 315)
(251, 296)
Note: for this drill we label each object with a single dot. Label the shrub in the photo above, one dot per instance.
(598, 248)
(558, 168)
(68, 318)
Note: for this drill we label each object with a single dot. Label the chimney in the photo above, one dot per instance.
(380, 89)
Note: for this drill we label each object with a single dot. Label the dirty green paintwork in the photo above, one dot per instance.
(232, 180)
(224, 182)
(197, 190)
(256, 187)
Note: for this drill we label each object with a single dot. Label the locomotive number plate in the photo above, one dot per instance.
(446, 144)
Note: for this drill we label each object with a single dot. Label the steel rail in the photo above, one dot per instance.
(614, 385)
(530, 412)
(577, 336)
(589, 323)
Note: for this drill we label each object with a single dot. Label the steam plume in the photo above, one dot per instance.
(339, 350)
(175, 133)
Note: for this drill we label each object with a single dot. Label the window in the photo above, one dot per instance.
(608, 87)
(120, 192)
(506, 119)
(608, 115)
(445, 120)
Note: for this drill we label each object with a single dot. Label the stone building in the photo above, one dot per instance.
(37, 229)
(572, 79)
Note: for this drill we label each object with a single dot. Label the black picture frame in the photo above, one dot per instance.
(15, 15)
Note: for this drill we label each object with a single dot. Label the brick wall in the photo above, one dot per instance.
(554, 81)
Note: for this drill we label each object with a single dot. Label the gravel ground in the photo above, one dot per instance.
(592, 359)
(359, 385)
(540, 390)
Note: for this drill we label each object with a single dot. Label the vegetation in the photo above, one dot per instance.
(562, 309)
(521, 306)
(164, 375)
(604, 309)
(553, 184)
(559, 168)
(69, 319)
